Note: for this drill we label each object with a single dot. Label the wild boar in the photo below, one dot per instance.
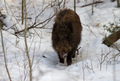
(66, 34)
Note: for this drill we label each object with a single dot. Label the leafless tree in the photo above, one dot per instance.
(75, 5)
(2, 42)
(25, 38)
(118, 3)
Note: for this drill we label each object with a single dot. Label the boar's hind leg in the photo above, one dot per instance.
(73, 53)
(69, 58)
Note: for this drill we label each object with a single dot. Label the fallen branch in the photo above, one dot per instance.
(112, 38)
(92, 3)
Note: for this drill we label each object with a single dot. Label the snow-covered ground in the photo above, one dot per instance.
(94, 62)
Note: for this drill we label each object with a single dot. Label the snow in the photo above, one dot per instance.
(87, 66)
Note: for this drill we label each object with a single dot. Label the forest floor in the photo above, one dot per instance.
(94, 62)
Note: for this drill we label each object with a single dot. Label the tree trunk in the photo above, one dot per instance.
(118, 3)
(112, 38)
(23, 11)
(75, 5)
(26, 45)
(92, 8)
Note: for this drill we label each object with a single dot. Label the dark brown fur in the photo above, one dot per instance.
(66, 34)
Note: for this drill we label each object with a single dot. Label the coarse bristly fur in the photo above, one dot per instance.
(66, 34)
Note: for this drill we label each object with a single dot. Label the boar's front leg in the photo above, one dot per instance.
(61, 59)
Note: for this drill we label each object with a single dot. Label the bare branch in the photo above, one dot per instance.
(92, 3)
(35, 25)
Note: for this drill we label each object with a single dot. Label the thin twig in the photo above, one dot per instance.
(4, 53)
(90, 30)
(27, 51)
(35, 25)
(116, 47)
